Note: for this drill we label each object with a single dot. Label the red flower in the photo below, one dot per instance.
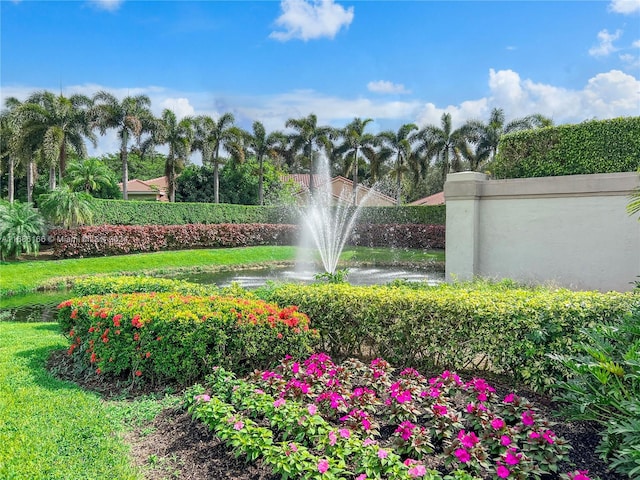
(148, 354)
(98, 371)
(138, 373)
(136, 322)
(93, 358)
(74, 314)
(116, 320)
(136, 337)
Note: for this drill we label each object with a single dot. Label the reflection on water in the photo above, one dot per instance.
(251, 279)
(41, 306)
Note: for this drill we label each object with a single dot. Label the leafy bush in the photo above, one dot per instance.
(175, 337)
(21, 229)
(500, 329)
(83, 287)
(598, 146)
(399, 235)
(120, 212)
(605, 387)
(67, 208)
(114, 240)
(316, 419)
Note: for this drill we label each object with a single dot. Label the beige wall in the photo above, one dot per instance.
(570, 231)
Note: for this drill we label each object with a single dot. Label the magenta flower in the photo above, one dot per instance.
(510, 398)
(505, 441)
(295, 368)
(527, 417)
(512, 457)
(439, 409)
(470, 408)
(344, 432)
(497, 423)
(502, 471)
(549, 436)
(323, 465)
(468, 440)
(405, 429)
(463, 455)
(417, 471)
(534, 435)
(404, 396)
(579, 475)
(382, 453)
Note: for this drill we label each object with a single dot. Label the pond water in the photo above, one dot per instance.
(41, 306)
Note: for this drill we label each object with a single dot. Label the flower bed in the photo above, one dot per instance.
(316, 419)
(175, 337)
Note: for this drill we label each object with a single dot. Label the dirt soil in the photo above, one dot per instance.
(174, 446)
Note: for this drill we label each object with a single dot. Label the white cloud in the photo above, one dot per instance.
(384, 86)
(180, 106)
(636, 44)
(605, 47)
(309, 20)
(625, 6)
(109, 5)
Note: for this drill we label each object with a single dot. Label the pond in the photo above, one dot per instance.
(41, 306)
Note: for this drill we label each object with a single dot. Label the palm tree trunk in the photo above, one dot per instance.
(30, 181)
(216, 182)
(63, 159)
(125, 172)
(355, 177)
(52, 177)
(260, 181)
(399, 182)
(11, 186)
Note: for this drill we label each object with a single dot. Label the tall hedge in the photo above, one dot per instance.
(121, 212)
(598, 146)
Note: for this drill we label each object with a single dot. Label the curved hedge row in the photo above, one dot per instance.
(505, 330)
(598, 146)
(175, 337)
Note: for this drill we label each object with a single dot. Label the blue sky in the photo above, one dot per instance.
(393, 61)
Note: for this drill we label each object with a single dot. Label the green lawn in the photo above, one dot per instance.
(51, 429)
(19, 277)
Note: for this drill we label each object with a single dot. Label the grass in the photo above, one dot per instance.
(51, 429)
(27, 276)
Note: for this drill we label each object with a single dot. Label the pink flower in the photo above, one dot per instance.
(312, 409)
(463, 455)
(368, 441)
(405, 429)
(512, 457)
(202, 398)
(439, 409)
(549, 436)
(362, 476)
(502, 471)
(238, 426)
(505, 441)
(417, 471)
(293, 447)
(579, 475)
(527, 417)
(295, 368)
(534, 435)
(404, 396)
(497, 423)
(323, 465)
(279, 402)
(470, 408)
(258, 391)
(468, 440)
(382, 453)
(332, 438)
(344, 432)
(482, 397)
(510, 398)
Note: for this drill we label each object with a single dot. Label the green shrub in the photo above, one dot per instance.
(605, 387)
(67, 208)
(176, 337)
(501, 329)
(21, 229)
(83, 287)
(120, 212)
(598, 146)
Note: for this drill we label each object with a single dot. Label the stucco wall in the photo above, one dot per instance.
(570, 231)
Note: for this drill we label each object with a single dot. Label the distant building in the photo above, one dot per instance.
(435, 199)
(151, 190)
(340, 188)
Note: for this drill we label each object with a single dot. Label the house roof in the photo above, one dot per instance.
(340, 184)
(156, 186)
(435, 199)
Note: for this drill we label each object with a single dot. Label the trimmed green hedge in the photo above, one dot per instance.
(504, 330)
(598, 146)
(180, 338)
(128, 212)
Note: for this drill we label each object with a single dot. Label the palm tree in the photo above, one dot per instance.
(442, 143)
(21, 228)
(400, 143)
(307, 135)
(178, 136)
(9, 137)
(354, 141)
(260, 145)
(378, 158)
(130, 118)
(89, 175)
(57, 124)
(65, 207)
(487, 136)
(210, 135)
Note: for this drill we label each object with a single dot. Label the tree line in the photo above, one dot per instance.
(44, 131)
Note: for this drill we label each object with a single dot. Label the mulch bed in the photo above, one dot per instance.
(174, 446)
